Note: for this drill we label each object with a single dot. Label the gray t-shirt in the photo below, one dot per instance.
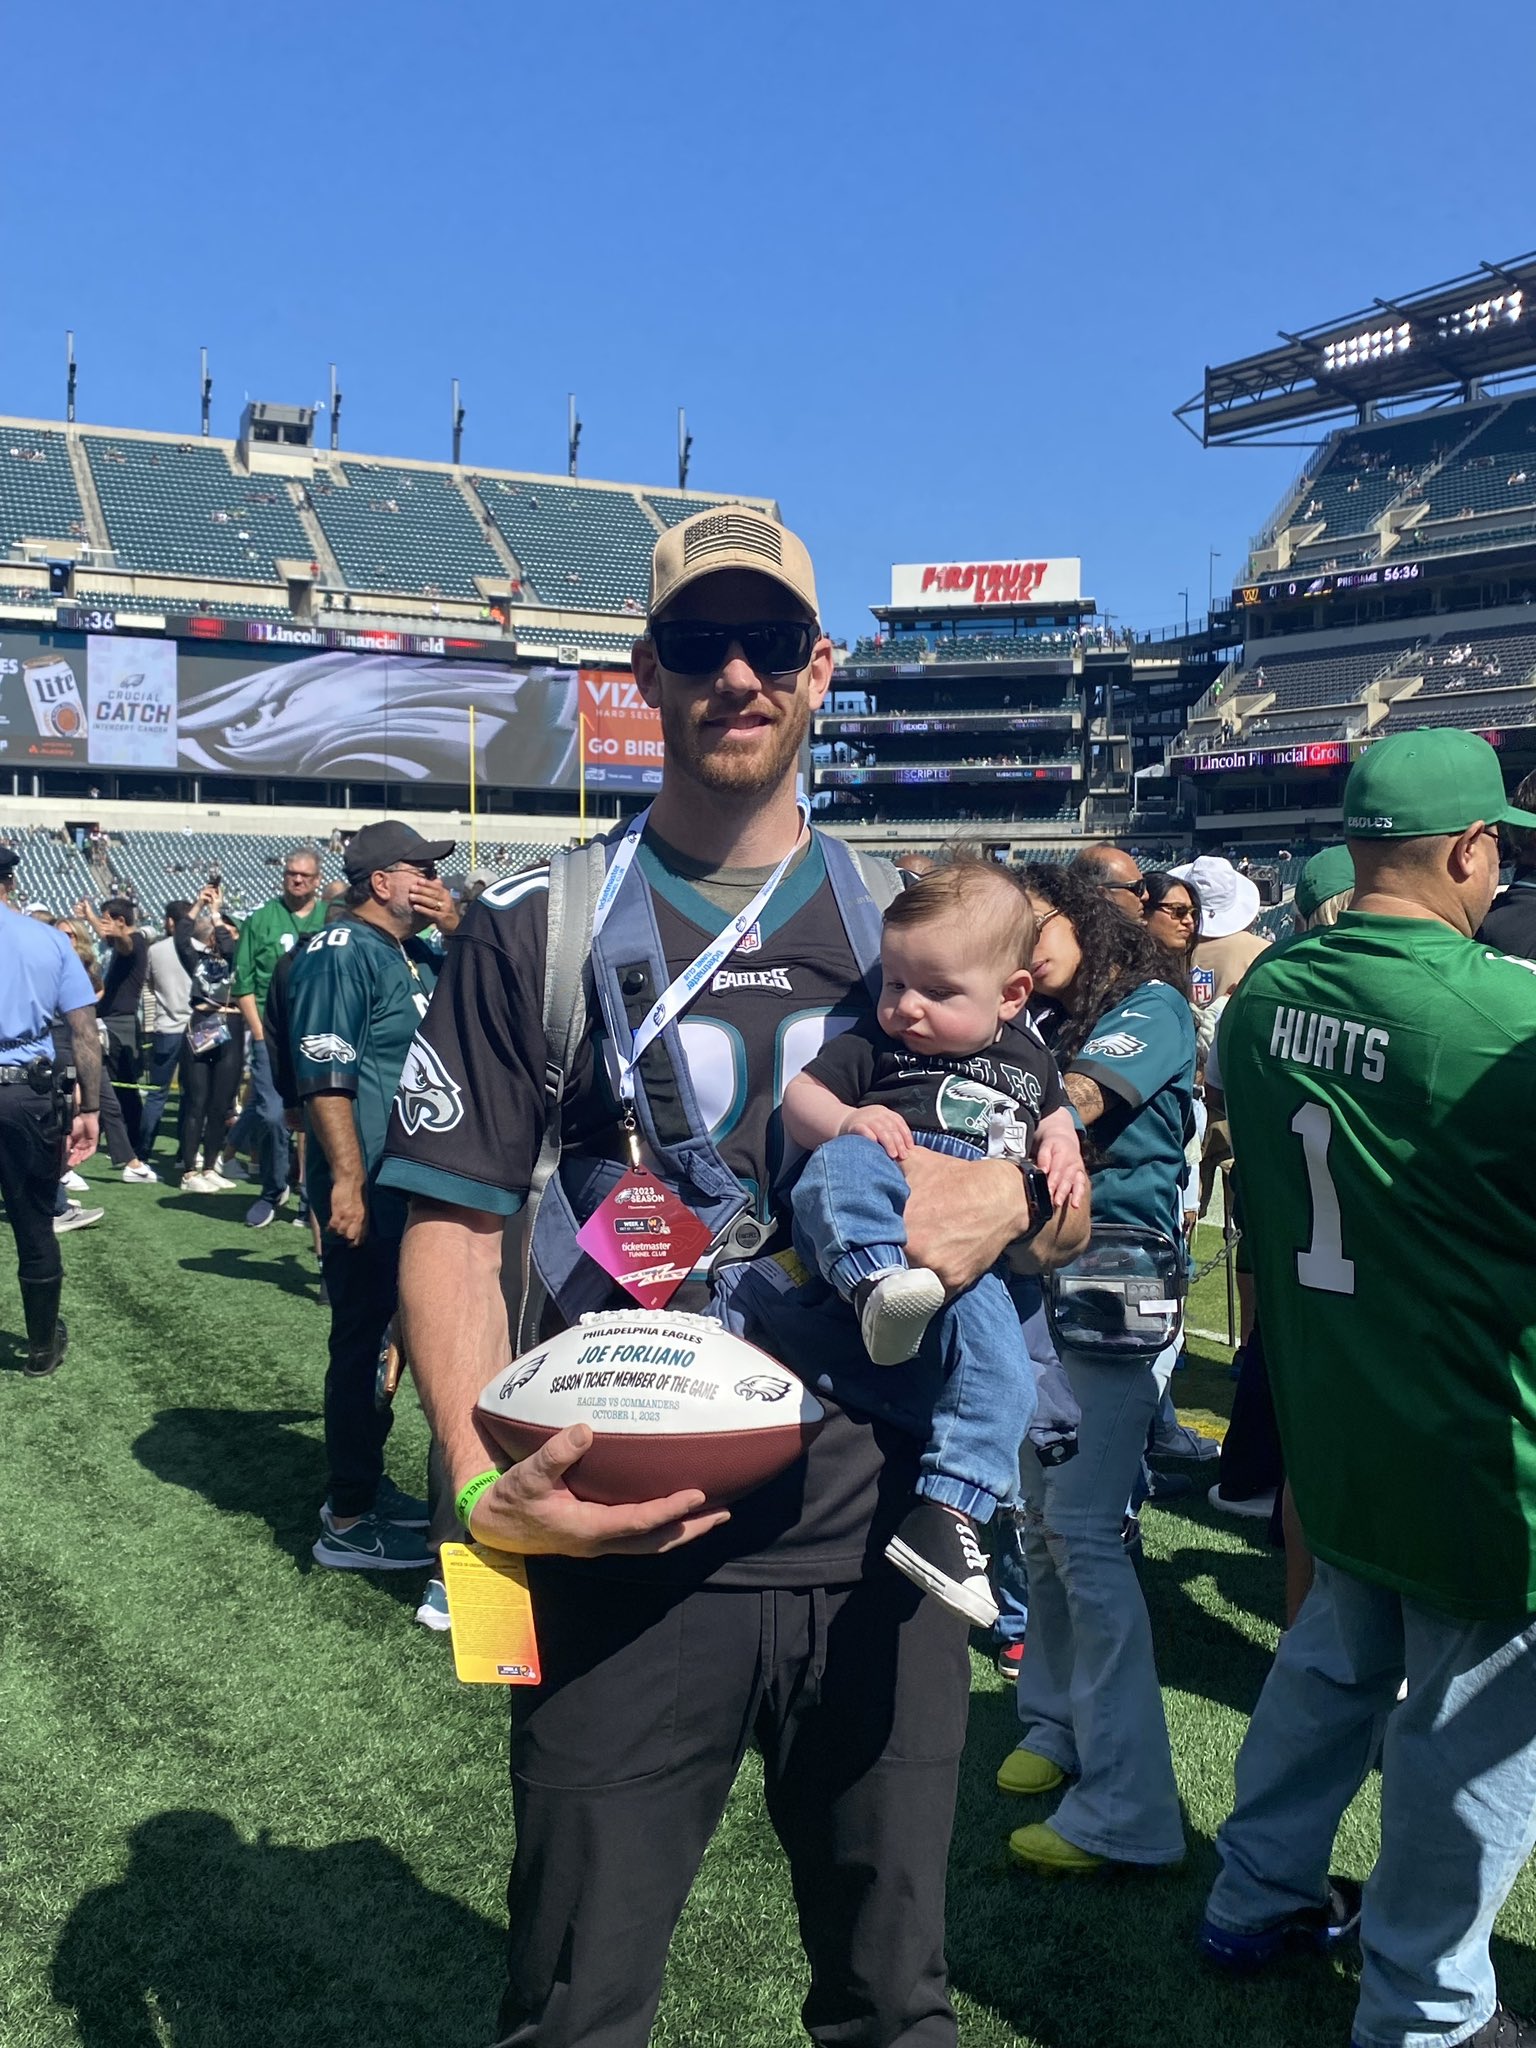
(170, 986)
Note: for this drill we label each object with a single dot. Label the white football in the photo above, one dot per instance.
(672, 1401)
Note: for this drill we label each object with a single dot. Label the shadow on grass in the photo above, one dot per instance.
(246, 1462)
(1082, 1962)
(216, 1942)
(1199, 1651)
(258, 1462)
(293, 1271)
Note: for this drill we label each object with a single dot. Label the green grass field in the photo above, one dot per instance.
(244, 1803)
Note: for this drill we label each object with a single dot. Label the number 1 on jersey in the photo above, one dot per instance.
(1323, 1265)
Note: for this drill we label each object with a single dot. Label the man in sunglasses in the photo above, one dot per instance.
(265, 937)
(355, 996)
(1115, 874)
(671, 1635)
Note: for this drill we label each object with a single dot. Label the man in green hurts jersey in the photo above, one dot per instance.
(265, 937)
(1381, 1079)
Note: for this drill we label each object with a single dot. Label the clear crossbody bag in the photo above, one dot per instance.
(206, 1034)
(1123, 1297)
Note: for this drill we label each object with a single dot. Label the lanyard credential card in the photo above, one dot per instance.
(641, 1234)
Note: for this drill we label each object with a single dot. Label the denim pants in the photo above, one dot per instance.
(1458, 1795)
(165, 1050)
(1088, 1696)
(263, 1116)
(849, 1203)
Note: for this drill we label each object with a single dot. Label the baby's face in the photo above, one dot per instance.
(937, 996)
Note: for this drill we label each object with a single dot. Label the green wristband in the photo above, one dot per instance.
(469, 1494)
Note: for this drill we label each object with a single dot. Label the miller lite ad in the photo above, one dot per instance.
(54, 695)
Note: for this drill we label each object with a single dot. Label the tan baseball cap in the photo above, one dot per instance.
(730, 537)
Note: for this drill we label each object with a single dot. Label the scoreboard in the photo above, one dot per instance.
(1341, 583)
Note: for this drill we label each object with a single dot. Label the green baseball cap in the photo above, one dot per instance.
(1326, 874)
(1416, 784)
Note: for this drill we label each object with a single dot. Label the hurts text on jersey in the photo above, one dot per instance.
(1336, 1045)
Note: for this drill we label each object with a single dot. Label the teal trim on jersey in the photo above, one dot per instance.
(792, 894)
(412, 1178)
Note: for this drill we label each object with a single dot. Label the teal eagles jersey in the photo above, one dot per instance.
(355, 997)
(1380, 1078)
(1142, 1055)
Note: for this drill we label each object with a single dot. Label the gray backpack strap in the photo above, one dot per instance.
(575, 880)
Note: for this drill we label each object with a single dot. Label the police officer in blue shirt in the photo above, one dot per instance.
(40, 1102)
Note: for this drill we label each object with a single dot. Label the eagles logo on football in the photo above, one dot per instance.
(521, 1379)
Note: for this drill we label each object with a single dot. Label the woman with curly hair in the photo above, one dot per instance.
(1089, 1705)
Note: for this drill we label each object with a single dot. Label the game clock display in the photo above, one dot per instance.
(1305, 589)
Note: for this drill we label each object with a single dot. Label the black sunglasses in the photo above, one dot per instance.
(1130, 888)
(698, 647)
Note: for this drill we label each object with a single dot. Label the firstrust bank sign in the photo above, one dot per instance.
(1057, 580)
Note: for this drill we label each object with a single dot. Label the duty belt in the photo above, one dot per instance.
(33, 1073)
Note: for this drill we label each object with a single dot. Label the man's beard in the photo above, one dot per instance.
(733, 770)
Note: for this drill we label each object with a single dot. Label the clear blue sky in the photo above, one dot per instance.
(935, 277)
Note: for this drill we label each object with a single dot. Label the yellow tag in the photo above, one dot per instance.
(492, 1615)
(793, 1265)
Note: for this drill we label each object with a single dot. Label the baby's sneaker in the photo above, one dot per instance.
(894, 1310)
(936, 1548)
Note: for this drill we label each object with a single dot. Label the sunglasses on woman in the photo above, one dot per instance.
(1183, 912)
(698, 647)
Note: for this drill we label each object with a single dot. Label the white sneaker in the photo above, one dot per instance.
(140, 1175)
(216, 1182)
(194, 1183)
(76, 1182)
(895, 1308)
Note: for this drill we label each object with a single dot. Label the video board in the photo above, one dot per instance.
(316, 712)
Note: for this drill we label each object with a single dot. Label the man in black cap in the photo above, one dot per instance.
(357, 992)
(41, 978)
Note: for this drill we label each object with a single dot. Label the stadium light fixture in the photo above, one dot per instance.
(456, 413)
(1369, 345)
(205, 391)
(335, 410)
(1504, 309)
(572, 432)
(684, 449)
(69, 384)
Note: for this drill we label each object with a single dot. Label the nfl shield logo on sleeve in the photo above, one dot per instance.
(1203, 985)
(751, 940)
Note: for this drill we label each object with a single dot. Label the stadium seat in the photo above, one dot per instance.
(181, 508)
(398, 529)
(38, 498)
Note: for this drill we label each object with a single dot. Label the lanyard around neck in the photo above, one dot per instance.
(676, 998)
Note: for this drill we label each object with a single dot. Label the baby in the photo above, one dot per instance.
(947, 1065)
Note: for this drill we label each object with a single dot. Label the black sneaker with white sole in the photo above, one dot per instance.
(894, 1310)
(936, 1548)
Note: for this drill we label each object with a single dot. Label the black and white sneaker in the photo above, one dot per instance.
(936, 1548)
(894, 1310)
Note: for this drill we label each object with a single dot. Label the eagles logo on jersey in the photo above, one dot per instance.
(1114, 1045)
(429, 1099)
(328, 1049)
